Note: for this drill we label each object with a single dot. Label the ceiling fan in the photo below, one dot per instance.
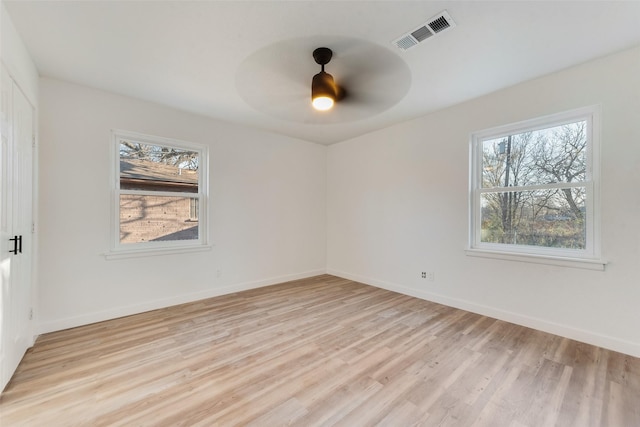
(360, 78)
(324, 91)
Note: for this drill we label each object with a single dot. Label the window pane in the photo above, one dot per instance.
(153, 218)
(552, 155)
(552, 218)
(157, 168)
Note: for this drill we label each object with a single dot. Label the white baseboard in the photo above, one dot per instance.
(604, 341)
(88, 318)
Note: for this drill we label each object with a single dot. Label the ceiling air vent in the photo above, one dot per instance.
(437, 24)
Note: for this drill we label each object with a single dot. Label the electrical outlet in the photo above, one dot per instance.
(424, 274)
(431, 276)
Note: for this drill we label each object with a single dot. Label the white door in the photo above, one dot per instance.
(16, 215)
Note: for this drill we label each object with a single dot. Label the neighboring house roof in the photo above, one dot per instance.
(145, 172)
(190, 233)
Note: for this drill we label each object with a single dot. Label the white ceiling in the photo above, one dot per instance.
(249, 62)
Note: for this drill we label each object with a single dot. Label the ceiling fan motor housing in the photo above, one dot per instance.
(323, 85)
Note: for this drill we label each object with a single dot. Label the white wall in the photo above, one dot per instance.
(16, 58)
(398, 205)
(267, 209)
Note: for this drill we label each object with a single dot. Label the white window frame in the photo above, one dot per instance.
(120, 250)
(590, 256)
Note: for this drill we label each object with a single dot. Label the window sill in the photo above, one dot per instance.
(146, 252)
(588, 264)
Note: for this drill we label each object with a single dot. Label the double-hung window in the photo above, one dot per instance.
(534, 189)
(159, 195)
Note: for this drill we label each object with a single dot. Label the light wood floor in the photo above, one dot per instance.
(319, 351)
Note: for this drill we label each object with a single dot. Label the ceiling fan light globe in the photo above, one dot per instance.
(322, 103)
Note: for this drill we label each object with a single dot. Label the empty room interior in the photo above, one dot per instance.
(355, 213)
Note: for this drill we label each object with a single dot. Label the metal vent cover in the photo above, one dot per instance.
(436, 25)
(421, 34)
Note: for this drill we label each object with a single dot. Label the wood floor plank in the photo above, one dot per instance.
(323, 351)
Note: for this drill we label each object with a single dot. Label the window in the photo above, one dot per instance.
(534, 188)
(159, 194)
